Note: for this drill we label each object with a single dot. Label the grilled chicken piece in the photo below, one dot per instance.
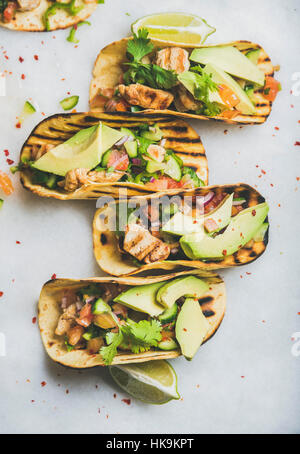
(74, 179)
(146, 97)
(185, 101)
(66, 320)
(75, 334)
(104, 177)
(139, 243)
(38, 151)
(28, 5)
(174, 59)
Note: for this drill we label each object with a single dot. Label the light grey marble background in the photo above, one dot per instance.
(255, 340)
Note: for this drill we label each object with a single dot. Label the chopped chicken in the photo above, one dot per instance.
(104, 177)
(38, 151)
(66, 320)
(139, 243)
(146, 97)
(185, 101)
(156, 152)
(28, 5)
(75, 334)
(78, 177)
(174, 59)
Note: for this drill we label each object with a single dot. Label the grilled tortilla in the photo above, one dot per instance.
(108, 69)
(213, 305)
(33, 21)
(114, 261)
(180, 137)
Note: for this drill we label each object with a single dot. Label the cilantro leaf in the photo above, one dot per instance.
(143, 335)
(205, 85)
(108, 353)
(151, 75)
(140, 45)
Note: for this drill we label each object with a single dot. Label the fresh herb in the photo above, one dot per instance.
(70, 8)
(150, 74)
(140, 337)
(1, 202)
(72, 38)
(69, 346)
(267, 91)
(3, 5)
(205, 85)
(92, 332)
(90, 290)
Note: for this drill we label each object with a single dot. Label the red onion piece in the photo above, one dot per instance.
(137, 161)
(121, 141)
(204, 200)
(152, 180)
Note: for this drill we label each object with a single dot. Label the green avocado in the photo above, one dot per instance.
(220, 77)
(83, 150)
(154, 134)
(260, 234)
(231, 60)
(181, 224)
(240, 230)
(190, 286)
(191, 328)
(253, 55)
(142, 298)
(191, 80)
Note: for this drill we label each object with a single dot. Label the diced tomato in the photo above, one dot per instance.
(6, 183)
(271, 88)
(228, 96)
(164, 183)
(230, 114)
(119, 160)
(85, 316)
(9, 12)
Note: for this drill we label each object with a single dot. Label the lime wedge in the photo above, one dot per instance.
(154, 382)
(177, 28)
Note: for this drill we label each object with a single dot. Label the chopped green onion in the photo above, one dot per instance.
(71, 38)
(1, 202)
(69, 103)
(52, 10)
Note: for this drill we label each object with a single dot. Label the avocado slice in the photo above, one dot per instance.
(154, 134)
(240, 230)
(190, 79)
(190, 286)
(231, 60)
(181, 224)
(83, 150)
(253, 55)
(220, 77)
(260, 234)
(142, 299)
(191, 327)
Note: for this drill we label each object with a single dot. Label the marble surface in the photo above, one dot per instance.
(246, 379)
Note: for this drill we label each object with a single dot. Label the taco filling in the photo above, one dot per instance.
(109, 318)
(8, 9)
(101, 154)
(211, 81)
(208, 228)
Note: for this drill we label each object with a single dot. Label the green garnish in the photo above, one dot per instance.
(3, 5)
(70, 8)
(1, 202)
(193, 176)
(267, 91)
(71, 38)
(204, 86)
(150, 74)
(69, 346)
(140, 337)
(69, 103)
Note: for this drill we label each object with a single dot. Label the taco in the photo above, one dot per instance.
(207, 228)
(101, 321)
(230, 82)
(85, 155)
(44, 15)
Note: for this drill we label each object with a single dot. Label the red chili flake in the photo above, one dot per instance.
(253, 213)
(43, 384)
(185, 330)
(115, 396)
(53, 276)
(126, 401)
(272, 185)
(67, 391)
(263, 171)
(248, 273)
(21, 59)
(1, 294)
(195, 222)
(242, 376)
(241, 276)
(34, 320)
(18, 242)
(298, 313)
(23, 77)
(225, 131)
(9, 161)
(224, 252)
(292, 106)
(276, 128)
(263, 321)
(99, 411)
(5, 56)
(297, 144)
(36, 57)
(18, 125)
(298, 178)
(32, 401)
(6, 152)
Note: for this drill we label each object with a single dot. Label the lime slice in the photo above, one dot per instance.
(177, 28)
(154, 382)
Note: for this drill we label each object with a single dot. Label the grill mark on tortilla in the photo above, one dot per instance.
(184, 140)
(103, 239)
(176, 128)
(252, 254)
(208, 314)
(40, 136)
(189, 153)
(205, 300)
(261, 104)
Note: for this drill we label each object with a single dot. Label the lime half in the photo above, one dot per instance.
(177, 28)
(154, 382)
